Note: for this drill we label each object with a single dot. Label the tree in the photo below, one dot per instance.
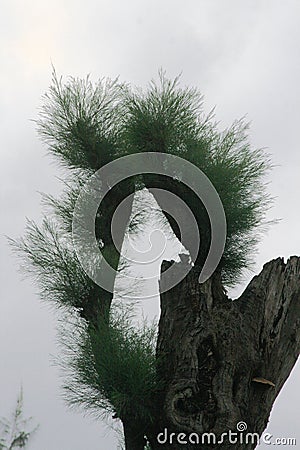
(213, 362)
(13, 433)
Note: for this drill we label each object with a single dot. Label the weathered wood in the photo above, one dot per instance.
(210, 349)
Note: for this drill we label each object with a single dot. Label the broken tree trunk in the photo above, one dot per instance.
(222, 361)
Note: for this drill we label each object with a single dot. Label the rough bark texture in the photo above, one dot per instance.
(210, 349)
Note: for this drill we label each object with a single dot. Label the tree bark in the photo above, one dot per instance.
(211, 349)
(133, 435)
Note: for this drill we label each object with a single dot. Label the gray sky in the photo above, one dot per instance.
(244, 57)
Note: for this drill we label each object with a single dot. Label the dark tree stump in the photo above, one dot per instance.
(210, 349)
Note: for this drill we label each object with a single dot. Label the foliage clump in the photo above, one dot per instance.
(111, 368)
(170, 119)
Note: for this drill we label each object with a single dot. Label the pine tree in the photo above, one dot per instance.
(197, 371)
(14, 432)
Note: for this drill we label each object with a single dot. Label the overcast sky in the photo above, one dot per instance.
(245, 58)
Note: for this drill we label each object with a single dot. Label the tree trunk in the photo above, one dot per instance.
(211, 349)
(134, 437)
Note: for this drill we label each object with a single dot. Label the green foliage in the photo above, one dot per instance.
(170, 119)
(87, 125)
(163, 118)
(50, 258)
(81, 122)
(13, 432)
(111, 368)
